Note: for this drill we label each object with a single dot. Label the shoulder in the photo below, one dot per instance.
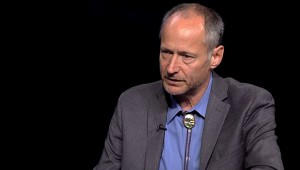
(235, 86)
(237, 91)
(246, 91)
(142, 91)
(147, 88)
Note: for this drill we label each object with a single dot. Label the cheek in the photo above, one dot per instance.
(162, 65)
(198, 72)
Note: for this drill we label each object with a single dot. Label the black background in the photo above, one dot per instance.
(104, 47)
(123, 36)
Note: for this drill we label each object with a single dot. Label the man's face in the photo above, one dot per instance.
(184, 63)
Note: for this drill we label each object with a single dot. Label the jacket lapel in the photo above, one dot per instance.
(216, 113)
(155, 137)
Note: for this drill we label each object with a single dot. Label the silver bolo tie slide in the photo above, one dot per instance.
(188, 120)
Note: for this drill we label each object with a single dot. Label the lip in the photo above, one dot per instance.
(171, 81)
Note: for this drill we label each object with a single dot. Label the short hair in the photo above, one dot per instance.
(214, 25)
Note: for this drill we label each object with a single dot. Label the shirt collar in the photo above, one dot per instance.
(200, 107)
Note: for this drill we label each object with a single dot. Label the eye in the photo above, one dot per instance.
(166, 53)
(187, 58)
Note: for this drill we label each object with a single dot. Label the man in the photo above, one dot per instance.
(192, 118)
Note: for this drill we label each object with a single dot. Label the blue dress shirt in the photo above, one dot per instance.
(175, 135)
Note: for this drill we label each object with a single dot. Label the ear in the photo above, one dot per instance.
(217, 56)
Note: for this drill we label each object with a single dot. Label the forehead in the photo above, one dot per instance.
(186, 15)
(185, 22)
(186, 26)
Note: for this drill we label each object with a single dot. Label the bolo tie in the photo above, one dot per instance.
(189, 123)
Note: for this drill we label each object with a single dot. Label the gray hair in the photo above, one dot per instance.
(214, 25)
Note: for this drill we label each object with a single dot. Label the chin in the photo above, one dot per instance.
(174, 90)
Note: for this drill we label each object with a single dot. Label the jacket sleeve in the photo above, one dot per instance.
(262, 150)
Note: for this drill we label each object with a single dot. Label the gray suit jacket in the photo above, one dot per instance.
(239, 129)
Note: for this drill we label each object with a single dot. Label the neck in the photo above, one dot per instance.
(191, 98)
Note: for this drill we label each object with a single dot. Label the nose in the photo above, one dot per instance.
(173, 66)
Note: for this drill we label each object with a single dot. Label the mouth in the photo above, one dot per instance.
(172, 80)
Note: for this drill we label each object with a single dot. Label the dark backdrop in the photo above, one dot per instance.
(116, 46)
